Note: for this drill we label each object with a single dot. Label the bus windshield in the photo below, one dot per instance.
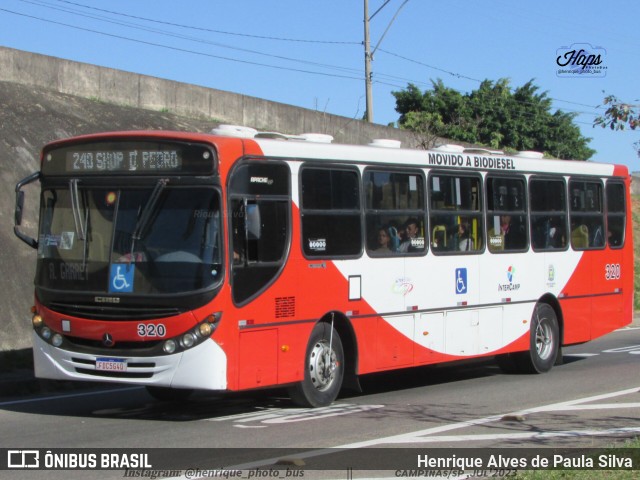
(139, 240)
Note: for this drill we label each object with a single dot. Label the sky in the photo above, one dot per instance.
(310, 54)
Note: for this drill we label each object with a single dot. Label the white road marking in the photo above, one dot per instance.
(424, 436)
(272, 416)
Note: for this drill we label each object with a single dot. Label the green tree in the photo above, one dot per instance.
(619, 116)
(493, 116)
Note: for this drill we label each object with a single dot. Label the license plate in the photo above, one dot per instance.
(111, 364)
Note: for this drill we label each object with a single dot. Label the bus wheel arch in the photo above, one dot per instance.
(350, 346)
(545, 341)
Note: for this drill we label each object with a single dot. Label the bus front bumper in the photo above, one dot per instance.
(202, 367)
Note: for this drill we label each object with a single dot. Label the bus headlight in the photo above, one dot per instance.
(193, 337)
(56, 340)
(188, 340)
(45, 333)
(169, 346)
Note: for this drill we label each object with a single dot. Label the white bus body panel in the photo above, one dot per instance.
(202, 367)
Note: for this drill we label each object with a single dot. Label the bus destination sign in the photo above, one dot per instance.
(120, 161)
(141, 157)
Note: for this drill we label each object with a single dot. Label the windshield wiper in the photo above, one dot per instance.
(75, 208)
(147, 212)
(80, 225)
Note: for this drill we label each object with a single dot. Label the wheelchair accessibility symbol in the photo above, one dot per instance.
(121, 278)
(461, 281)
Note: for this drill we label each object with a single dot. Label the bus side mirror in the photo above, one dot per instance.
(32, 242)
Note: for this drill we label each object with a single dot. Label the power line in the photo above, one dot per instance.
(223, 32)
(193, 39)
(178, 49)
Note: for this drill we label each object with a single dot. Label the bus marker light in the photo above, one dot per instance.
(205, 329)
(37, 321)
(284, 348)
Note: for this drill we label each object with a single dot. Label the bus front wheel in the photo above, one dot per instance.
(323, 369)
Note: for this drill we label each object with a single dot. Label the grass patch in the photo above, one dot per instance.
(591, 473)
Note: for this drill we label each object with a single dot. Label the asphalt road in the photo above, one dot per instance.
(592, 400)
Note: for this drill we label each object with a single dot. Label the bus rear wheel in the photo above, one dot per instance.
(323, 369)
(544, 344)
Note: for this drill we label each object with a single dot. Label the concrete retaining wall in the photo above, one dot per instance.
(141, 91)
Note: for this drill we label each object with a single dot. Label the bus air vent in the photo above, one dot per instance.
(285, 307)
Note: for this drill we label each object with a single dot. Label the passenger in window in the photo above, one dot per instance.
(410, 235)
(512, 232)
(465, 242)
(555, 235)
(383, 244)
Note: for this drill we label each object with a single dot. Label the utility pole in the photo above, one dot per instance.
(368, 54)
(367, 64)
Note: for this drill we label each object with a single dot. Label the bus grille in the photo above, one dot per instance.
(103, 312)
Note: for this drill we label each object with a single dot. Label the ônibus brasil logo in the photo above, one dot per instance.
(511, 285)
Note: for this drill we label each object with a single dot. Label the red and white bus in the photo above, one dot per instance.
(240, 260)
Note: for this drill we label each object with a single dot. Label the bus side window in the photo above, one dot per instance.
(506, 214)
(586, 214)
(395, 212)
(330, 213)
(616, 212)
(547, 201)
(455, 214)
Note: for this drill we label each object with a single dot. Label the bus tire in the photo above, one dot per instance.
(544, 340)
(323, 369)
(166, 394)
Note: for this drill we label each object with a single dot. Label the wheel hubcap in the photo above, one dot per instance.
(322, 366)
(544, 340)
